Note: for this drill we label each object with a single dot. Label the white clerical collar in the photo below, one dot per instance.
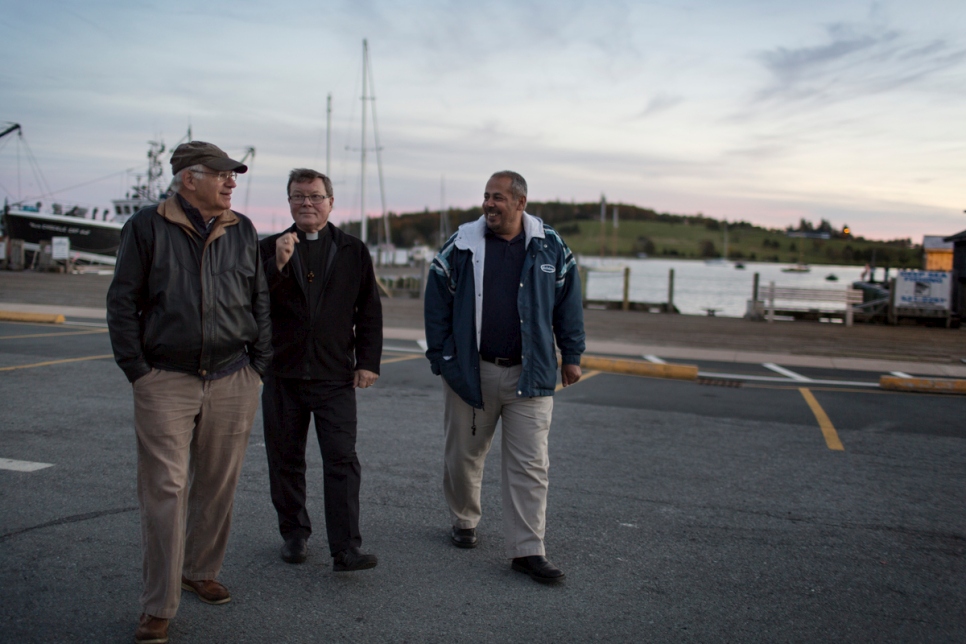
(312, 236)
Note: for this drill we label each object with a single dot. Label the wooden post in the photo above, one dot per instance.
(627, 288)
(771, 302)
(754, 299)
(670, 291)
(582, 271)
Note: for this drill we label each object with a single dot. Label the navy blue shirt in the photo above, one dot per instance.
(502, 268)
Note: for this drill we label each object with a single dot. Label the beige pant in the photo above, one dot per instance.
(525, 463)
(192, 436)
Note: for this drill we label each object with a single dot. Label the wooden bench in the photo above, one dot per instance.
(849, 297)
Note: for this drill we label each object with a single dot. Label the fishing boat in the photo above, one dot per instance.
(95, 237)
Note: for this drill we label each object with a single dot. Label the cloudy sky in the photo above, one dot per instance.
(760, 110)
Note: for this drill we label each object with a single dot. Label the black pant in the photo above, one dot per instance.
(287, 405)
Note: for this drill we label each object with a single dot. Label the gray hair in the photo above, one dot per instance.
(518, 185)
(306, 175)
(177, 182)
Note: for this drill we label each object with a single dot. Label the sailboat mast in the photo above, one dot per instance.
(375, 139)
(365, 99)
(328, 133)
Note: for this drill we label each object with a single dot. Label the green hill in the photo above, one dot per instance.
(643, 231)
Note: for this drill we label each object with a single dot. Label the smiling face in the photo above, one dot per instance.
(504, 212)
(310, 217)
(209, 191)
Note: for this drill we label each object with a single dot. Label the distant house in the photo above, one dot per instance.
(937, 253)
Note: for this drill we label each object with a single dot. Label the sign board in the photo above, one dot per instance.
(924, 290)
(60, 247)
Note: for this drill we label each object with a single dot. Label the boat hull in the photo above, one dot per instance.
(90, 240)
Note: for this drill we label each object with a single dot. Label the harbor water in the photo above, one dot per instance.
(699, 286)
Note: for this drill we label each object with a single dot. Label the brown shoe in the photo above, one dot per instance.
(208, 590)
(151, 630)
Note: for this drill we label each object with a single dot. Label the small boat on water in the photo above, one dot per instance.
(831, 277)
(739, 266)
(797, 268)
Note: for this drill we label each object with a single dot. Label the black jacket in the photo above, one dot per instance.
(344, 333)
(182, 303)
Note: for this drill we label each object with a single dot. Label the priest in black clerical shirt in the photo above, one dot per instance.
(327, 336)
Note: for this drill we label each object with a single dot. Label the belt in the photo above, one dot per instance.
(502, 362)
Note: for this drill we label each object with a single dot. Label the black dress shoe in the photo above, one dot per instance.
(295, 550)
(352, 559)
(463, 537)
(538, 568)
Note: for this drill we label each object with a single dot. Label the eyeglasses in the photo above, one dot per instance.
(300, 199)
(221, 176)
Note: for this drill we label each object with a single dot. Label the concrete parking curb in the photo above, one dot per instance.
(17, 316)
(925, 385)
(638, 368)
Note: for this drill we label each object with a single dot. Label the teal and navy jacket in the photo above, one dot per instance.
(549, 302)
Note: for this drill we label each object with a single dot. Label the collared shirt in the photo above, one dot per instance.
(502, 267)
(194, 216)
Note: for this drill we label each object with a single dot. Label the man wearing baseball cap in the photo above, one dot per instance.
(188, 314)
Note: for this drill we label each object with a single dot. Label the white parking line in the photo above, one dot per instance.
(396, 349)
(786, 372)
(22, 466)
(654, 359)
(900, 374)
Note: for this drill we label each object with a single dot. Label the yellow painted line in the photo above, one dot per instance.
(401, 359)
(928, 385)
(16, 316)
(51, 362)
(640, 368)
(585, 376)
(50, 335)
(828, 430)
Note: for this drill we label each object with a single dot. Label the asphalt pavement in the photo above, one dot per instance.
(765, 508)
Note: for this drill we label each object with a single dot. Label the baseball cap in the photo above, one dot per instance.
(207, 154)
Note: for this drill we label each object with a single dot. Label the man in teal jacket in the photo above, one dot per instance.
(500, 291)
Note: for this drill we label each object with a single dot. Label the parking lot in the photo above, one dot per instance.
(753, 505)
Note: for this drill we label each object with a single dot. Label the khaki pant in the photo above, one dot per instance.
(525, 463)
(192, 435)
